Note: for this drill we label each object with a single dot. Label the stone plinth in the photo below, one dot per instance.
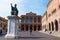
(12, 30)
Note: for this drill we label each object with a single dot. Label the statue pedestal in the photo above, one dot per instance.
(12, 30)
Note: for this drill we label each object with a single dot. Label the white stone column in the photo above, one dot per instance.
(13, 26)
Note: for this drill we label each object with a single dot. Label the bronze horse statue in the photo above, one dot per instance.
(14, 10)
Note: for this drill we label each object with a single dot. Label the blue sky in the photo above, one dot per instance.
(24, 6)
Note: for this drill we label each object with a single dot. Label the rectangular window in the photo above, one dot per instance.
(26, 19)
(49, 15)
(30, 19)
(54, 11)
(35, 19)
(59, 20)
(22, 20)
(38, 19)
(0, 24)
(59, 6)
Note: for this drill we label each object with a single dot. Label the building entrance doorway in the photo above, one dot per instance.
(52, 26)
(34, 27)
(22, 27)
(26, 27)
(0, 32)
(39, 27)
(49, 27)
(56, 25)
(30, 27)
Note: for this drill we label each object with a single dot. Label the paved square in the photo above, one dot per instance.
(33, 36)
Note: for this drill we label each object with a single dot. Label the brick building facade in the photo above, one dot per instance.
(53, 15)
(30, 21)
(44, 21)
(3, 25)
